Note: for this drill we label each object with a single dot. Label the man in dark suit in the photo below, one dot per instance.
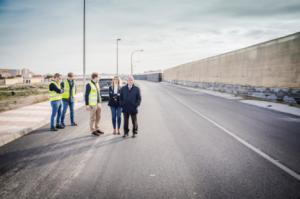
(130, 99)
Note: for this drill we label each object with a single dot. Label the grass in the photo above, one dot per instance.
(21, 95)
(16, 96)
(22, 90)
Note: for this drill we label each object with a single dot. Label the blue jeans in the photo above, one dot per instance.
(67, 104)
(56, 112)
(116, 115)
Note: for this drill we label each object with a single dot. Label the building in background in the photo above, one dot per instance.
(11, 81)
(7, 73)
(19, 76)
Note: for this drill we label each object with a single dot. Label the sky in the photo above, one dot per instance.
(46, 35)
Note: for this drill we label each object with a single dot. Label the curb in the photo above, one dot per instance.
(9, 136)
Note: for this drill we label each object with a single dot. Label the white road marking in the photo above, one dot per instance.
(240, 140)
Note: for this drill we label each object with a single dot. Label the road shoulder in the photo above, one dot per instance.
(283, 108)
(18, 122)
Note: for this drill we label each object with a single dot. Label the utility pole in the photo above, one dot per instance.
(118, 55)
(83, 58)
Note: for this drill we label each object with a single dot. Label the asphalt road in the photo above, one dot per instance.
(190, 145)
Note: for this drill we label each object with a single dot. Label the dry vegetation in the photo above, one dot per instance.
(15, 96)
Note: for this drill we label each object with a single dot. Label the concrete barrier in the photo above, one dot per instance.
(151, 76)
(269, 70)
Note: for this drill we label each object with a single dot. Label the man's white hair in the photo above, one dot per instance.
(130, 77)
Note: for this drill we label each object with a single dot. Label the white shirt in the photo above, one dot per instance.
(115, 90)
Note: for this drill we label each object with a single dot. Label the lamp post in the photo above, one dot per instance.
(118, 55)
(83, 57)
(132, 53)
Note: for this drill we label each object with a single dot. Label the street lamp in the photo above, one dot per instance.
(118, 55)
(132, 53)
(83, 57)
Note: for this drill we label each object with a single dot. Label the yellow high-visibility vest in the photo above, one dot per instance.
(93, 96)
(54, 96)
(66, 94)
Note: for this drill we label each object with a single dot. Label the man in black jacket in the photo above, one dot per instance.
(130, 99)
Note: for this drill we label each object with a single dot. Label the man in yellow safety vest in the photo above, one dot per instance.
(55, 96)
(93, 104)
(68, 98)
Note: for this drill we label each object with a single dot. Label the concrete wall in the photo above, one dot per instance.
(272, 67)
(21, 80)
(34, 80)
(12, 81)
(2, 82)
(154, 77)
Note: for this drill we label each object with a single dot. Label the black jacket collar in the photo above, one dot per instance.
(128, 86)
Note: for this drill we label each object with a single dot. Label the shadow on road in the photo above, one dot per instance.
(43, 155)
(38, 131)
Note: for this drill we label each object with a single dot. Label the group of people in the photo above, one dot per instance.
(62, 95)
(124, 99)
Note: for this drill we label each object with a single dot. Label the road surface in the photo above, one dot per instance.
(190, 145)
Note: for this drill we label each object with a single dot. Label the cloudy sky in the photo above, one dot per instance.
(46, 35)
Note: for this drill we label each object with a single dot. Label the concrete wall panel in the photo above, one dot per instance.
(273, 65)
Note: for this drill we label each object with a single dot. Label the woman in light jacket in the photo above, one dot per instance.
(114, 103)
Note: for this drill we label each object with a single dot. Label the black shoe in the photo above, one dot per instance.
(60, 127)
(125, 135)
(63, 125)
(135, 132)
(100, 132)
(133, 136)
(74, 124)
(53, 129)
(95, 133)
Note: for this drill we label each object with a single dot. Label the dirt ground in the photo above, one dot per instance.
(16, 96)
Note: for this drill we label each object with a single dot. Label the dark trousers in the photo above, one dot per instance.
(134, 123)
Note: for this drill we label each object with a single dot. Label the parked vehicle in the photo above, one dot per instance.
(105, 83)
